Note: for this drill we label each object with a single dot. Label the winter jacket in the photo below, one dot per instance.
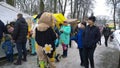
(8, 47)
(45, 35)
(2, 29)
(65, 35)
(78, 38)
(91, 36)
(106, 31)
(20, 31)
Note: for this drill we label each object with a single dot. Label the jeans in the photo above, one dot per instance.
(81, 55)
(0, 41)
(65, 50)
(21, 48)
(89, 56)
(9, 57)
(33, 45)
(106, 40)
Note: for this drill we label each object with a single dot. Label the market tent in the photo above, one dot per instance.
(9, 13)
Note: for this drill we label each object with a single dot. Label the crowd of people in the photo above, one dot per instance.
(48, 38)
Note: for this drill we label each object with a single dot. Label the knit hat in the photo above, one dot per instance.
(84, 23)
(93, 18)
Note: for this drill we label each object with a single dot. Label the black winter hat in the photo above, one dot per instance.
(93, 18)
(84, 23)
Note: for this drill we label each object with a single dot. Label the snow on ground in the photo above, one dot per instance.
(105, 57)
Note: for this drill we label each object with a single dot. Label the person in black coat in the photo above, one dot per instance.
(2, 30)
(20, 38)
(91, 36)
(106, 32)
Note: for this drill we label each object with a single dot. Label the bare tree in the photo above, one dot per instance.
(81, 8)
(62, 6)
(114, 4)
(42, 6)
(55, 6)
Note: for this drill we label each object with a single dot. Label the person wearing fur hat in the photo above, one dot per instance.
(65, 31)
(91, 36)
(45, 37)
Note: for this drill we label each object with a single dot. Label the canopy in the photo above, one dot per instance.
(9, 13)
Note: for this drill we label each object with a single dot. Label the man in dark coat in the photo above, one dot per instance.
(91, 36)
(20, 37)
(2, 30)
(106, 32)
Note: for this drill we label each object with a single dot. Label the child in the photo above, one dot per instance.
(8, 48)
(65, 31)
(78, 39)
(10, 28)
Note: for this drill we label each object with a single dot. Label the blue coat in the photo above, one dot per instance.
(78, 38)
(8, 47)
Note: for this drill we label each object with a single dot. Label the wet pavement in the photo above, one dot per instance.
(105, 57)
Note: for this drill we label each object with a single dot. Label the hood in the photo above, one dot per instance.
(42, 27)
(22, 20)
(47, 18)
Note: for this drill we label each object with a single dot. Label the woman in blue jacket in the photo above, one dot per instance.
(78, 39)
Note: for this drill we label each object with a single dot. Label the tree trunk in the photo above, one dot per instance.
(51, 5)
(71, 9)
(55, 5)
(84, 12)
(65, 7)
(41, 6)
(78, 12)
(114, 16)
(75, 5)
(61, 7)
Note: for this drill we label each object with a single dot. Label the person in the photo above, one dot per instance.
(91, 36)
(20, 37)
(2, 30)
(32, 38)
(99, 42)
(78, 39)
(8, 48)
(45, 36)
(65, 37)
(10, 28)
(106, 32)
(32, 41)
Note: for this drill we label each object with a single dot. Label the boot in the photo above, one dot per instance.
(18, 62)
(57, 58)
(24, 58)
(42, 64)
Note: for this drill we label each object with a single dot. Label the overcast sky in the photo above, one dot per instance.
(101, 8)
